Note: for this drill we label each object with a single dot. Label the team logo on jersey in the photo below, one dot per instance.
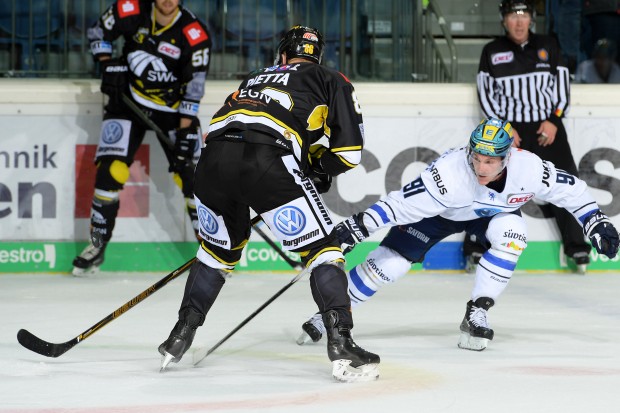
(169, 50)
(195, 34)
(207, 221)
(504, 57)
(112, 132)
(519, 198)
(543, 55)
(487, 212)
(128, 8)
(289, 220)
(140, 60)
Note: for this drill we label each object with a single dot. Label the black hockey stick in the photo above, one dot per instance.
(294, 264)
(45, 348)
(161, 136)
(201, 353)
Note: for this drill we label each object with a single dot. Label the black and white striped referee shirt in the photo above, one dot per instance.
(523, 83)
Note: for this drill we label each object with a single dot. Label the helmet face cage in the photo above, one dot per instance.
(492, 137)
(516, 6)
(301, 41)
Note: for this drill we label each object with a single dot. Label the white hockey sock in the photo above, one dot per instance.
(493, 274)
(382, 266)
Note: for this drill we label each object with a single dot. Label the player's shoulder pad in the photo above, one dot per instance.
(525, 166)
(194, 30)
(448, 180)
(128, 8)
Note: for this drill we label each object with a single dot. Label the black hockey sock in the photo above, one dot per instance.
(103, 217)
(202, 287)
(329, 290)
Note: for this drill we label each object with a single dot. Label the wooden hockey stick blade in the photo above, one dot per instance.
(201, 353)
(45, 348)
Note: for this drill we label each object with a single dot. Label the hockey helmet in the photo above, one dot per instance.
(516, 6)
(492, 137)
(301, 41)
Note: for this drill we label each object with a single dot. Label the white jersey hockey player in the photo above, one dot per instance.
(479, 188)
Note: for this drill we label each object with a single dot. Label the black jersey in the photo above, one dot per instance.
(523, 83)
(167, 65)
(298, 104)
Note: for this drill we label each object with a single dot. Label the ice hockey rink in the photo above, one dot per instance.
(555, 348)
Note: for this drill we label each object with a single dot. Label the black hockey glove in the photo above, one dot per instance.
(602, 234)
(184, 145)
(321, 179)
(114, 79)
(351, 231)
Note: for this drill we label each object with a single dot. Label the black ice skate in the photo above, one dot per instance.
(313, 330)
(471, 262)
(582, 259)
(89, 261)
(475, 330)
(181, 337)
(350, 363)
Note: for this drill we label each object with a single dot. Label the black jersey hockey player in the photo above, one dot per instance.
(162, 69)
(262, 153)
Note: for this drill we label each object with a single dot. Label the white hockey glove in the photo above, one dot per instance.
(602, 234)
(351, 231)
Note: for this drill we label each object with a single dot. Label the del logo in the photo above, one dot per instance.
(169, 50)
(128, 8)
(499, 58)
(289, 220)
(311, 36)
(194, 33)
(519, 198)
(207, 220)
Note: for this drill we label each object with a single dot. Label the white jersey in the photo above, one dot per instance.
(449, 188)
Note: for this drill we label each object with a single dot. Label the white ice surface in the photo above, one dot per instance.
(556, 348)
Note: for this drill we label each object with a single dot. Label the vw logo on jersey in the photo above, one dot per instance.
(112, 132)
(289, 220)
(207, 220)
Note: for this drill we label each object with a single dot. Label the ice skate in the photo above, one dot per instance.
(350, 363)
(89, 261)
(475, 329)
(582, 259)
(180, 339)
(471, 262)
(313, 330)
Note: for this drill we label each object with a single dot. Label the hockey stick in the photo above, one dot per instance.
(161, 136)
(45, 348)
(294, 264)
(201, 353)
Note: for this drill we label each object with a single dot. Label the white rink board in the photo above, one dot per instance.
(398, 118)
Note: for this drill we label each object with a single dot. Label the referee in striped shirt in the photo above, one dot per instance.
(521, 79)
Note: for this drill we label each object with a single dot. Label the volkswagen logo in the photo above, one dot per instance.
(207, 220)
(112, 133)
(289, 220)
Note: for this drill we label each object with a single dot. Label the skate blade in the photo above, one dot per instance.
(165, 360)
(304, 338)
(342, 371)
(85, 272)
(582, 269)
(467, 342)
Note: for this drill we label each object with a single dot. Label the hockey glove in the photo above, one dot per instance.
(602, 234)
(184, 146)
(321, 179)
(351, 231)
(114, 79)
